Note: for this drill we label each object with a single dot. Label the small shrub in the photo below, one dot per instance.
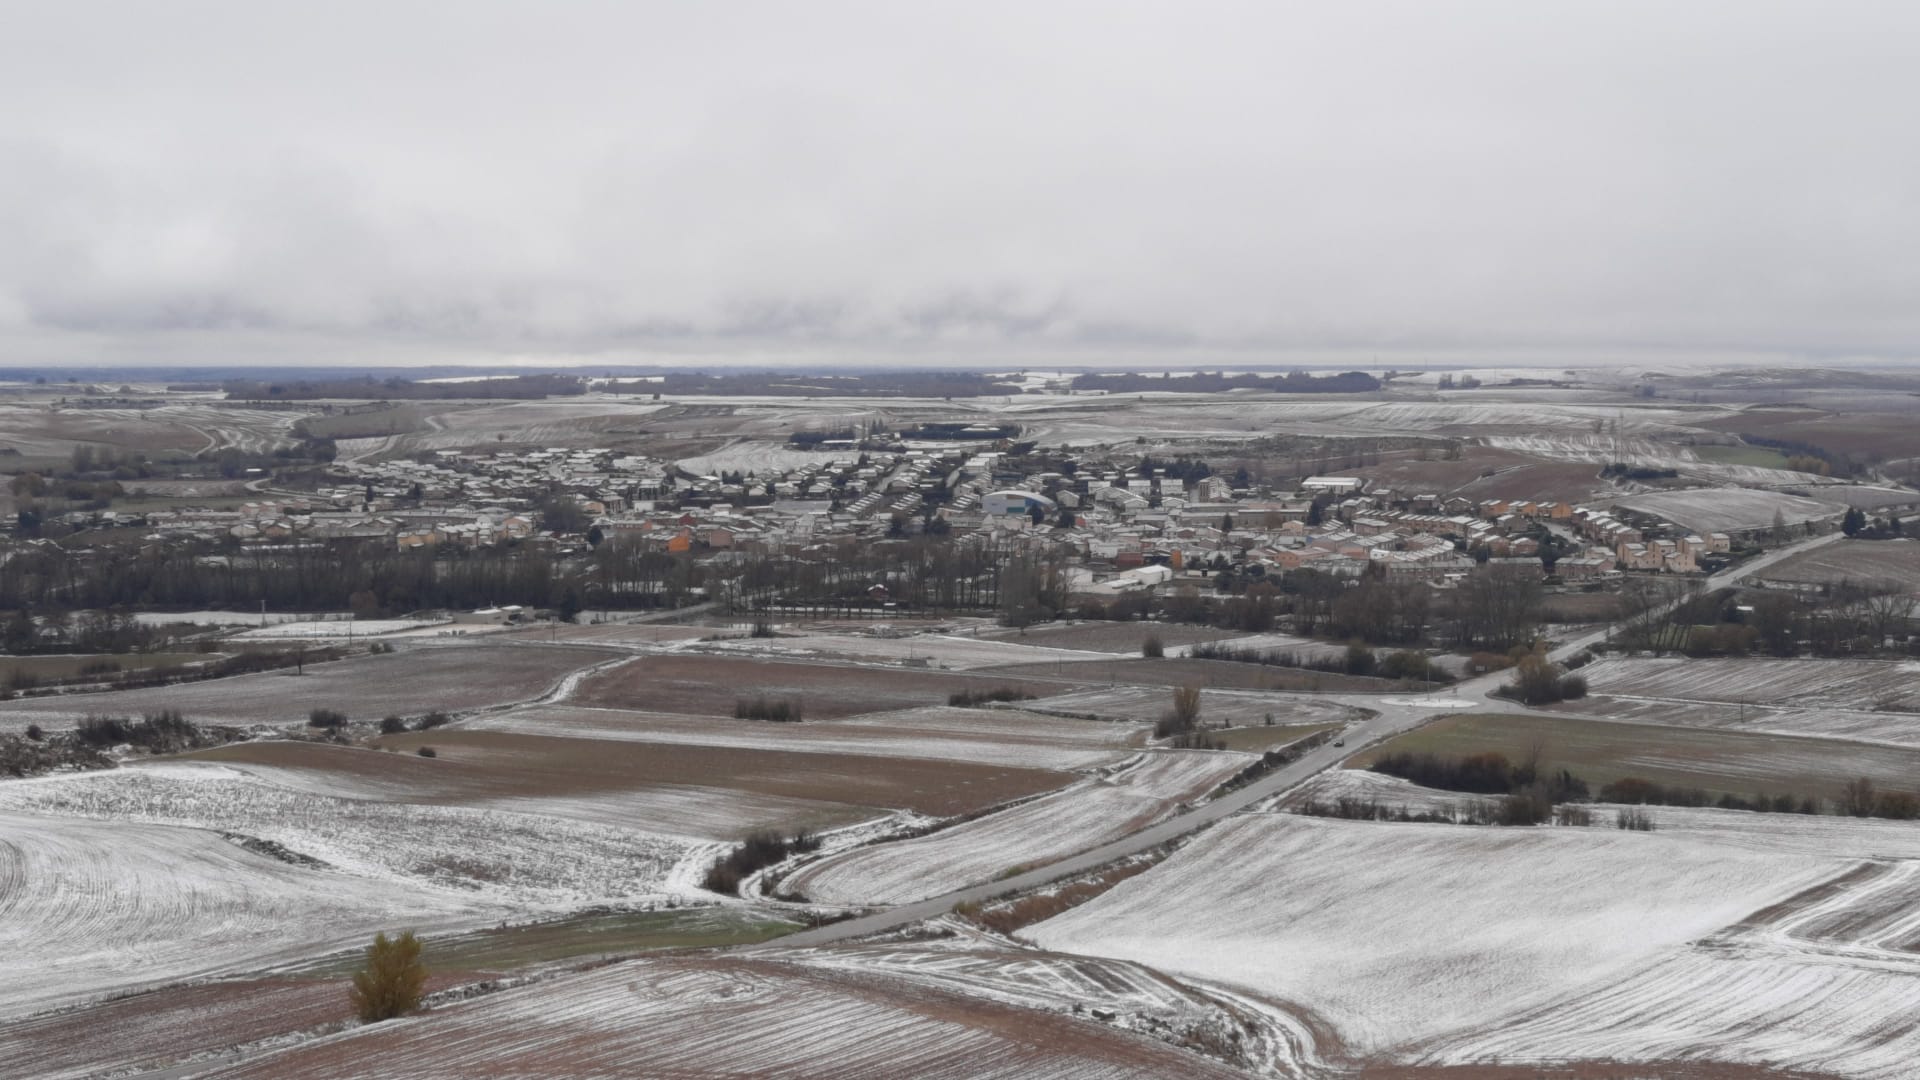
(1360, 660)
(326, 718)
(427, 751)
(1634, 819)
(161, 732)
(432, 720)
(783, 710)
(755, 853)
(1479, 774)
(392, 725)
(34, 732)
(1569, 814)
(968, 699)
(1899, 805)
(1153, 648)
(392, 981)
(1197, 740)
(1525, 808)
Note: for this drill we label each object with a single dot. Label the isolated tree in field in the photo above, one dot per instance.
(392, 980)
(1858, 797)
(1186, 705)
(1153, 648)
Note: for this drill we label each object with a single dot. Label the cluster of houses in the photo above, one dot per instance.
(1131, 528)
(1634, 551)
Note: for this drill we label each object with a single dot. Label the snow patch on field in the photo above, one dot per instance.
(1847, 684)
(1730, 509)
(1033, 833)
(986, 736)
(714, 1016)
(939, 650)
(1397, 933)
(487, 854)
(338, 629)
(1825, 980)
(89, 907)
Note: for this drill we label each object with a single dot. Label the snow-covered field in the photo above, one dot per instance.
(448, 851)
(1142, 1000)
(1400, 933)
(1882, 685)
(1894, 562)
(409, 683)
(953, 652)
(1144, 705)
(337, 628)
(1730, 509)
(89, 907)
(737, 1016)
(1730, 1002)
(1035, 832)
(231, 618)
(1305, 648)
(1825, 981)
(987, 736)
(753, 457)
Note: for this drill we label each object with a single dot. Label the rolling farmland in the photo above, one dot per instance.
(1037, 832)
(734, 1016)
(1356, 939)
(99, 906)
(364, 687)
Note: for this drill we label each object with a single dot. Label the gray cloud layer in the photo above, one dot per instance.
(955, 180)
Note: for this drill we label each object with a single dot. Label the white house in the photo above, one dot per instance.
(1013, 502)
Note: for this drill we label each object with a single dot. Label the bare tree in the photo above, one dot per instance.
(1857, 799)
(1186, 705)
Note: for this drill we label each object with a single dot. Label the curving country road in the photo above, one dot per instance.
(1395, 715)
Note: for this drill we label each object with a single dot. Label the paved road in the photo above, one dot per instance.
(1395, 715)
(1732, 575)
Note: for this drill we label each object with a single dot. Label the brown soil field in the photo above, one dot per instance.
(1862, 434)
(410, 682)
(1144, 705)
(1721, 762)
(1112, 637)
(987, 736)
(152, 1030)
(1579, 607)
(608, 633)
(712, 685)
(67, 666)
(1259, 738)
(1547, 480)
(1223, 674)
(734, 1016)
(1402, 470)
(1896, 562)
(472, 767)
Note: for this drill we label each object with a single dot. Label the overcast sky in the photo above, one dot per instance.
(471, 181)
